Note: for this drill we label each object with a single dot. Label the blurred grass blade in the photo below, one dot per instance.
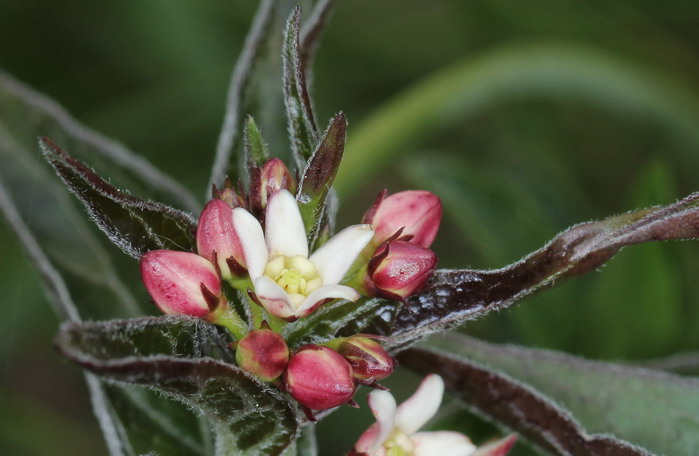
(187, 360)
(455, 296)
(467, 88)
(319, 174)
(226, 161)
(642, 287)
(28, 114)
(649, 408)
(134, 225)
(302, 128)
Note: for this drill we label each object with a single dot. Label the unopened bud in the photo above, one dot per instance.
(263, 353)
(319, 378)
(218, 241)
(181, 282)
(400, 269)
(417, 212)
(369, 360)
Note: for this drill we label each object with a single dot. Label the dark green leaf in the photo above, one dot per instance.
(453, 297)
(302, 127)
(319, 174)
(171, 355)
(134, 225)
(229, 145)
(256, 153)
(340, 318)
(26, 114)
(656, 410)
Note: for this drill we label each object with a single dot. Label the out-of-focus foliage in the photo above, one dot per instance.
(561, 112)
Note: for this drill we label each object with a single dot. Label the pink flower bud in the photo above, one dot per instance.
(263, 353)
(217, 240)
(268, 180)
(369, 360)
(181, 282)
(417, 212)
(319, 378)
(275, 177)
(400, 269)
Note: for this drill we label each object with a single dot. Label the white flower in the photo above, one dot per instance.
(288, 283)
(395, 431)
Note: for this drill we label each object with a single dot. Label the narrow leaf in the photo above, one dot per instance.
(172, 355)
(302, 127)
(515, 405)
(229, 144)
(319, 174)
(134, 225)
(26, 114)
(256, 152)
(455, 296)
(645, 407)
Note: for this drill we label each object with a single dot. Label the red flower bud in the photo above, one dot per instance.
(263, 353)
(275, 176)
(217, 240)
(181, 282)
(319, 378)
(417, 212)
(369, 360)
(400, 269)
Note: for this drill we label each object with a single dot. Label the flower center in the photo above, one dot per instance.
(399, 444)
(296, 275)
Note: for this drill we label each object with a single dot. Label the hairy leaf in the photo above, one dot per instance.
(26, 114)
(256, 153)
(645, 407)
(455, 296)
(228, 149)
(134, 225)
(319, 174)
(302, 127)
(187, 360)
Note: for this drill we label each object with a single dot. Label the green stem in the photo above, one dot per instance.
(229, 319)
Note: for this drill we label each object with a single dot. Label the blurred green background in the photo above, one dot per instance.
(525, 117)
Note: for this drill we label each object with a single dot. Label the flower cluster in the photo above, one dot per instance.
(395, 432)
(258, 244)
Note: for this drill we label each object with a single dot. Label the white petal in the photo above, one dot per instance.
(335, 257)
(252, 239)
(326, 292)
(442, 443)
(284, 230)
(383, 406)
(498, 448)
(273, 298)
(421, 406)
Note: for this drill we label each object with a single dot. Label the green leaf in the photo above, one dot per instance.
(302, 128)
(187, 360)
(228, 150)
(134, 225)
(256, 153)
(645, 407)
(455, 296)
(26, 114)
(319, 174)
(467, 88)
